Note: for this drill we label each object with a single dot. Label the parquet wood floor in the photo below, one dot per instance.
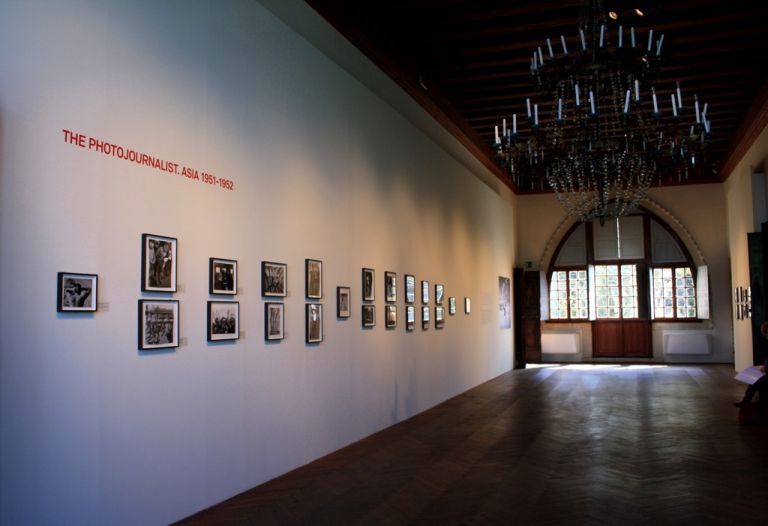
(561, 445)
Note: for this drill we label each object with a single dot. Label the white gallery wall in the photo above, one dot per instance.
(742, 220)
(94, 431)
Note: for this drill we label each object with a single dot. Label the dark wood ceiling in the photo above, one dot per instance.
(468, 61)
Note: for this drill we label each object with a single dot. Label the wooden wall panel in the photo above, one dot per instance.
(606, 339)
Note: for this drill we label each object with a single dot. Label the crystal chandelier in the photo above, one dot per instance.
(602, 133)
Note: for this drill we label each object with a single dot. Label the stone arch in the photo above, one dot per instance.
(648, 204)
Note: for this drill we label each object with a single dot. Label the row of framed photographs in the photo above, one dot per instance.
(390, 288)
(159, 321)
(390, 316)
(159, 264)
(77, 292)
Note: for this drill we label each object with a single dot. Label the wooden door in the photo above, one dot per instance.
(622, 339)
(530, 324)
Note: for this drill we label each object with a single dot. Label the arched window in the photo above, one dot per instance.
(632, 267)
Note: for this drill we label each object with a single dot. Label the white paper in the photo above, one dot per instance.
(749, 375)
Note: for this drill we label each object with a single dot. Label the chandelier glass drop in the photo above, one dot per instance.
(603, 132)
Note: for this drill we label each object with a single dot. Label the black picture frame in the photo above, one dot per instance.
(313, 278)
(274, 321)
(158, 263)
(410, 318)
(452, 305)
(424, 292)
(369, 284)
(223, 321)
(314, 322)
(425, 317)
(409, 283)
(222, 276)
(439, 293)
(368, 315)
(343, 302)
(158, 324)
(390, 316)
(439, 316)
(77, 292)
(390, 286)
(274, 279)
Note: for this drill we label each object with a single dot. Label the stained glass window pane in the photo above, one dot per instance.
(678, 290)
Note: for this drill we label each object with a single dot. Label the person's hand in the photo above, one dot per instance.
(762, 369)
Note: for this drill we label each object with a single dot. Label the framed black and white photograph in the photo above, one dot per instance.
(467, 305)
(390, 286)
(369, 315)
(369, 288)
(425, 318)
(158, 324)
(439, 291)
(343, 302)
(314, 278)
(76, 292)
(274, 279)
(222, 276)
(314, 322)
(439, 316)
(274, 321)
(410, 289)
(223, 320)
(390, 316)
(452, 305)
(410, 317)
(424, 292)
(158, 263)
(505, 319)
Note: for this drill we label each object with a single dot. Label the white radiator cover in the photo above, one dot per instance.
(687, 342)
(561, 342)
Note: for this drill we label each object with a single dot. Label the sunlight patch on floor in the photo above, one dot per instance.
(596, 366)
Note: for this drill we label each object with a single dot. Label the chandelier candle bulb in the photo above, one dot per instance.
(541, 56)
(583, 42)
(637, 90)
(562, 42)
(621, 36)
(674, 105)
(592, 102)
(536, 115)
(560, 109)
(496, 130)
(514, 124)
(679, 97)
(602, 34)
(659, 44)
(650, 40)
(706, 126)
(578, 99)
(504, 127)
(626, 104)
(655, 102)
(549, 48)
(632, 35)
(696, 109)
(528, 105)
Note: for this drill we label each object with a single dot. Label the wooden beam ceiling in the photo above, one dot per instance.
(467, 62)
